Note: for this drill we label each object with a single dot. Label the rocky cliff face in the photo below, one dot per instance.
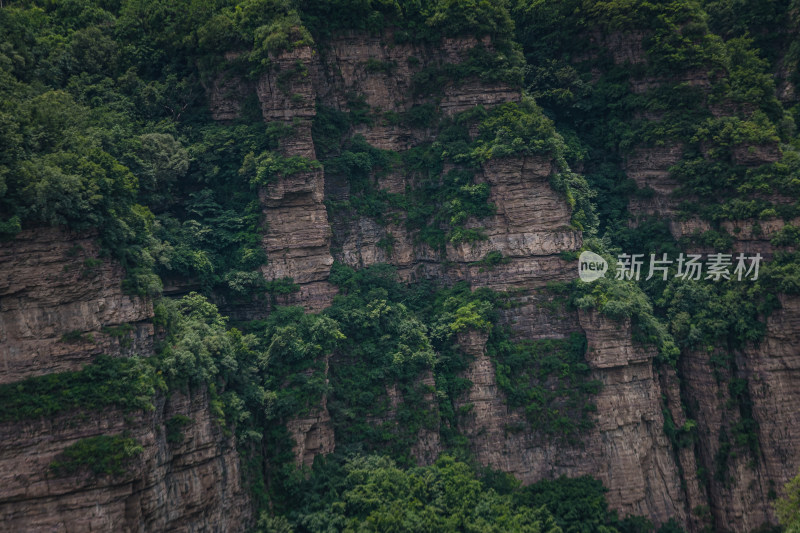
(191, 485)
(627, 448)
(743, 483)
(79, 310)
(59, 307)
(737, 487)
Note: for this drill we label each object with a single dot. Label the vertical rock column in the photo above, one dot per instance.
(297, 240)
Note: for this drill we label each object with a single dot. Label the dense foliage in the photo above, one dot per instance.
(373, 494)
(788, 507)
(104, 129)
(128, 384)
(103, 454)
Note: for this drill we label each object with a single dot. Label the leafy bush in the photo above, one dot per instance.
(103, 454)
(788, 507)
(126, 383)
(372, 493)
(174, 426)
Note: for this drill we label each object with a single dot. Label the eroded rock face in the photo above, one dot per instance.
(60, 306)
(627, 449)
(191, 485)
(744, 481)
(298, 240)
(312, 433)
(649, 168)
(738, 484)
(531, 228)
(774, 366)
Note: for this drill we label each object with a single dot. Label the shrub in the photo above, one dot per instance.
(103, 455)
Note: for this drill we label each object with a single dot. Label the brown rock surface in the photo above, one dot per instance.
(51, 285)
(193, 485)
(740, 495)
(738, 491)
(626, 450)
(649, 168)
(312, 433)
(297, 241)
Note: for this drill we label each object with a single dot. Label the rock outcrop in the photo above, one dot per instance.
(531, 228)
(312, 433)
(737, 484)
(628, 448)
(298, 239)
(191, 485)
(60, 305)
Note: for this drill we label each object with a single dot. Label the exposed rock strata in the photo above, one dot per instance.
(193, 485)
(628, 448)
(60, 305)
(531, 228)
(297, 241)
(738, 491)
(312, 433)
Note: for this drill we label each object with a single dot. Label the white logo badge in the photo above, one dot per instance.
(591, 266)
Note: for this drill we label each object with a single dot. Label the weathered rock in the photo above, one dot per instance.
(756, 155)
(649, 168)
(313, 433)
(193, 485)
(227, 93)
(297, 241)
(627, 449)
(742, 484)
(60, 305)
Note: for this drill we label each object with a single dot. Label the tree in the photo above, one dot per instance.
(788, 507)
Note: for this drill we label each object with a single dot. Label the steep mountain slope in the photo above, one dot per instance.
(389, 202)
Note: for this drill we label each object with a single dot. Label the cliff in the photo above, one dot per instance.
(706, 438)
(60, 306)
(531, 228)
(191, 485)
(737, 486)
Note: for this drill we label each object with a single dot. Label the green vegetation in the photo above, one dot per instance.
(122, 333)
(105, 128)
(437, 208)
(373, 494)
(103, 455)
(126, 383)
(788, 506)
(76, 336)
(548, 379)
(492, 260)
(174, 427)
